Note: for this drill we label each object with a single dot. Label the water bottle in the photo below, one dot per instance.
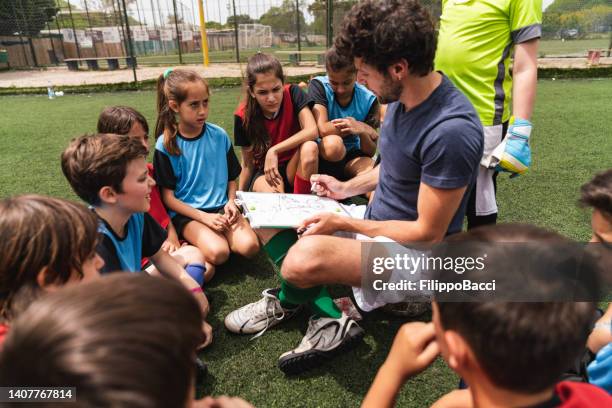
(50, 91)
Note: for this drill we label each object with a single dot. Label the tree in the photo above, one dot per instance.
(214, 25)
(170, 21)
(240, 19)
(26, 17)
(282, 19)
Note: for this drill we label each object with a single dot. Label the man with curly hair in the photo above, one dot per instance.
(430, 144)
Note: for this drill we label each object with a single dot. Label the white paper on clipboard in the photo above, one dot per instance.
(275, 210)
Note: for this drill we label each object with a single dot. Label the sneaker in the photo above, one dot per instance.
(259, 316)
(324, 339)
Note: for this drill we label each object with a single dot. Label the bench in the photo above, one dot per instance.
(294, 56)
(92, 62)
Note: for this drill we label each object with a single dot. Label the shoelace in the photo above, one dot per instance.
(269, 300)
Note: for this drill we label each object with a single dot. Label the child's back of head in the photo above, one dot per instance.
(91, 162)
(524, 347)
(45, 242)
(126, 340)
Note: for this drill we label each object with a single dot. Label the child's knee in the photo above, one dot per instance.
(333, 148)
(219, 253)
(192, 255)
(210, 272)
(248, 246)
(309, 152)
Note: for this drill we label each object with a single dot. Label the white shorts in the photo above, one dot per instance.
(358, 212)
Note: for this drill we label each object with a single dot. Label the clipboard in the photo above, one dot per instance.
(283, 211)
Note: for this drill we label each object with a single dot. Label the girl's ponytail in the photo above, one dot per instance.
(172, 85)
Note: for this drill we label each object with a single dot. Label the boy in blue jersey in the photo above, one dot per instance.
(347, 114)
(110, 173)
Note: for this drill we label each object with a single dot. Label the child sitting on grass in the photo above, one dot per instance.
(110, 173)
(126, 340)
(510, 353)
(46, 243)
(123, 120)
(196, 169)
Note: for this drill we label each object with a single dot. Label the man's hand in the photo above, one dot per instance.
(328, 186)
(321, 224)
(348, 126)
(231, 212)
(414, 349)
(271, 173)
(216, 222)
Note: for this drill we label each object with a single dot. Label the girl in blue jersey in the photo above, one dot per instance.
(196, 168)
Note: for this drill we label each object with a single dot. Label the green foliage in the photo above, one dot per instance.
(240, 19)
(26, 17)
(588, 16)
(282, 19)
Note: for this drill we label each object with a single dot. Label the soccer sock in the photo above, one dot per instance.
(323, 305)
(318, 297)
(301, 186)
(196, 271)
(278, 246)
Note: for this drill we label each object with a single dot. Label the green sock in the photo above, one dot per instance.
(323, 305)
(278, 246)
(291, 297)
(318, 297)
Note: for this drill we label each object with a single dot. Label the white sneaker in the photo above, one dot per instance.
(324, 339)
(259, 316)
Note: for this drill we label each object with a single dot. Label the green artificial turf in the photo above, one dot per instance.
(571, 141)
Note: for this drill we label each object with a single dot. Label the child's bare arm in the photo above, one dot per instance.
(413, 350)
(248, 169)
(325, 126)
(169, 268)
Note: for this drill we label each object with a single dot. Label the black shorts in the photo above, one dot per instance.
(336, 169)
(180, 221)
(282, 169)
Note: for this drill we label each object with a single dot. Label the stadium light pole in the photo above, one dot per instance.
(204, 41)
(178, 39)
(236, 33)
(330, 23)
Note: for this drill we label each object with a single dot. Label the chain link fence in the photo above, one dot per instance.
(36, 33)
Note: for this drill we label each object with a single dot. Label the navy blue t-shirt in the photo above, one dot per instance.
(438, 143)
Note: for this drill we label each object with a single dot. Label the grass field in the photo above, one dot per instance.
(550, 48)
(571, 141)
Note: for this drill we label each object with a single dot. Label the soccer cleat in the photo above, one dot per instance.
(513, 155)
(324, 339)
(257, 317)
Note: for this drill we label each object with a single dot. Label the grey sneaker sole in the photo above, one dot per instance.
(300, 362)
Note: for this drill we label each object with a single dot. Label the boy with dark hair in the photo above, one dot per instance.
(109, 172)
(511, 354)
(597, 194)
(347, 115)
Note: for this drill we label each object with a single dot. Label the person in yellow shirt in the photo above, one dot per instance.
(476, 41)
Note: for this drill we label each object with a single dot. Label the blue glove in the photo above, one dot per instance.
(600, 370)
(513, 155)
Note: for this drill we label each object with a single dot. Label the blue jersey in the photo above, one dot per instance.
(142, 237)
(199, 175)
(359, 107)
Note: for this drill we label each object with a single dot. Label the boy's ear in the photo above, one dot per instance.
(107, 195)
(459, 352)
